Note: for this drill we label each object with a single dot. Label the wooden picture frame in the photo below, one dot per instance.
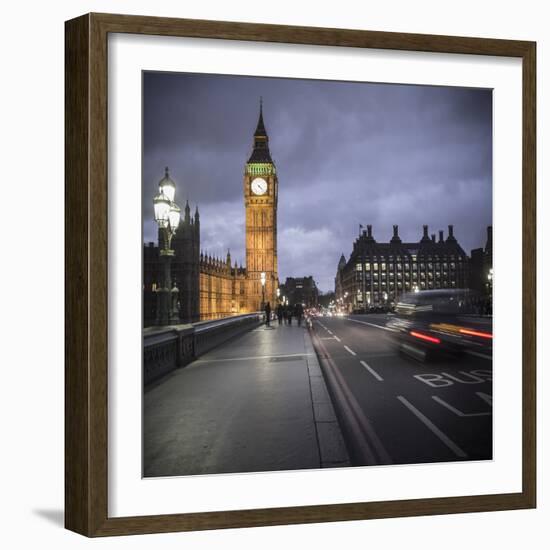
(86, 280)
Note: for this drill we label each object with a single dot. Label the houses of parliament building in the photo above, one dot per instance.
(212, 288)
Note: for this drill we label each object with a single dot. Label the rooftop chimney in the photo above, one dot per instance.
(441, 236)
(433, 237)
(369, 230)
(395, 238)
(425, 236)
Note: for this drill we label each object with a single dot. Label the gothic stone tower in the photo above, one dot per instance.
(260, 200)
(185, 265)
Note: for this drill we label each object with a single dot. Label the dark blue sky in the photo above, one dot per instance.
(346, 153)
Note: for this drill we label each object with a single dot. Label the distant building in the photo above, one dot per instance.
(481, 265)
(301, 290)
(378, 273)
(338, 280)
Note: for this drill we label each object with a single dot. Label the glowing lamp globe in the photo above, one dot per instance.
(162, 206)
(174, 216)
(167, 186)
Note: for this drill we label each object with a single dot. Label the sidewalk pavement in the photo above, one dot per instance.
(257, 403)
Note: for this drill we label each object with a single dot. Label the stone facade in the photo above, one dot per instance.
(260, 188)
(482, 265)
(301, 290)
(378, 273)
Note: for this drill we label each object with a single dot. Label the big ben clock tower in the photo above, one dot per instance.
(260, 200)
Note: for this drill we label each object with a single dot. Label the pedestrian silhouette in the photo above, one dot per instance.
(267, 314)
(280, 313)
(299, 312)
(288, 314)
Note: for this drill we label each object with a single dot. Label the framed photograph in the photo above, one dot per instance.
(300, 275)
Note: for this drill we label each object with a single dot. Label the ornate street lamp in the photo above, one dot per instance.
(167, 216)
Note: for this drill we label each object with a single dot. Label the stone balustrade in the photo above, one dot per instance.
(168, 348)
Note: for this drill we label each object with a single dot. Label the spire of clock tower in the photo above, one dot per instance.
(260, 151)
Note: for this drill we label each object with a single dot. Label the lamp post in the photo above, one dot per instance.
(490, 288)
(278, 294)
(262, 279)
(167, 216)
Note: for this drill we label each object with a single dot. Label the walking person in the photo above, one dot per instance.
(280, 313)
(288, 312)
(267, 314)
(299, 312)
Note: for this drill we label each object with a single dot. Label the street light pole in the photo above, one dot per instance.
(490, 288)
(167, 216)
(262, 279)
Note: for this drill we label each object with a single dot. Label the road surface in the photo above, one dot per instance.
(396, 410)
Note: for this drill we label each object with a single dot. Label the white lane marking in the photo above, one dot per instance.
(482, 355)
(486, 397)
(370, 324)
(433, 428)
(326, 337)
(456, 411)
(350, 350)
(336, 338)
(372, 371)
(329, 331)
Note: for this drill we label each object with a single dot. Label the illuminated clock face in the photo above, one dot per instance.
(258, 186)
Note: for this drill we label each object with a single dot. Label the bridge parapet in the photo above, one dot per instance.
(167, 348)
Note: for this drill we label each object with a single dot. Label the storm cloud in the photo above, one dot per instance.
(346, 153)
